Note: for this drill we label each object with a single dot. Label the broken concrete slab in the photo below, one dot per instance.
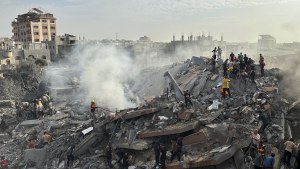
(211, 158)
(85, 144)
(135, 113)
(201, 83)
(208, 118)
(214, 77)
(169, 130)
(30, 123)
(36, 155)
(59, 116)
(76, 122)
(178, 91)
(196, 138)
(138, 144)
(270, 89)
(186, 115)
(198, 60)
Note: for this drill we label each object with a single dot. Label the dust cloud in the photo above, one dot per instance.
(101, 73)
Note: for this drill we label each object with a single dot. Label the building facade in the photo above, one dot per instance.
(34, 26)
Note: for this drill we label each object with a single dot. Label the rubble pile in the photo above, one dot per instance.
(215, 131)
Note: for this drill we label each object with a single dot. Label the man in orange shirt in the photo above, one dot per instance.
(226, 86)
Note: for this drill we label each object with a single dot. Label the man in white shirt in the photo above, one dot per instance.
(289, 146)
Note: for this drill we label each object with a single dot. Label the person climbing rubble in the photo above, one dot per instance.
(258, 160)
(269, 162)
(187, 98)
(289, 147)
(219, 52)
(262, 64)
(46, 138)
(226, 87)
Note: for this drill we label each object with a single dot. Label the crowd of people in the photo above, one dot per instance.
(35, 109)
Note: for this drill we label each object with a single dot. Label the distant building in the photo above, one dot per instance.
(266, 42)
(34, 26)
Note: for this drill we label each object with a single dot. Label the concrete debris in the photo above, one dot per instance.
(214, 131)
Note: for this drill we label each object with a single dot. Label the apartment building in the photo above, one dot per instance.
(34, 26)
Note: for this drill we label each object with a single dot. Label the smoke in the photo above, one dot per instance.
(102, 74)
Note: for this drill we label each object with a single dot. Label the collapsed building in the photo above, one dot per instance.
(215, 131)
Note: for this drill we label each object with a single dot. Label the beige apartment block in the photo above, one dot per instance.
(34, 26)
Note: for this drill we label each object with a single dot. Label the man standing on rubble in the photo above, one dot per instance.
(289, 146)
(231, 57)
(178, 149)
(214, 53)
(219, 52)
(255, 138)
(226, 87)
(262, 64)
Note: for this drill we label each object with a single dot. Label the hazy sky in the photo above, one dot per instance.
(238, 20)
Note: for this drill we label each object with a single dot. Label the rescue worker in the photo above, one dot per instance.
(262, 64)
(289, 146)
(252, 76)
(226, 87)
(109, 156)
(219, 52)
